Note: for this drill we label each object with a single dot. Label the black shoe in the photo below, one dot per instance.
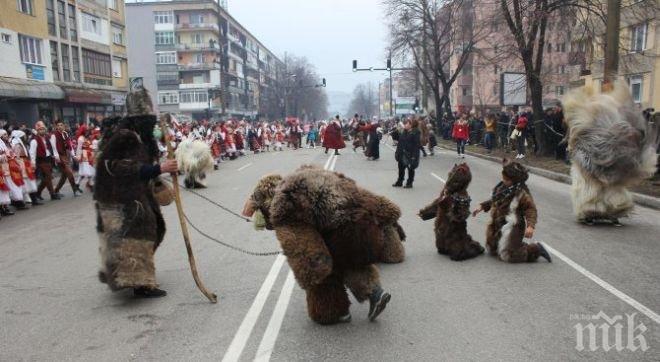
(215, 167)
(377, 303)
(144, 292)
(397, 184)
(408, 186)
(56, 196)
(40, 198)
(6, 211)
(336, 153)
(544, 253)
(35, 200)
(588, 221)
(77, 189)
(19, 205)
(326, 151)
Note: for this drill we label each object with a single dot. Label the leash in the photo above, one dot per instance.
(235, 248)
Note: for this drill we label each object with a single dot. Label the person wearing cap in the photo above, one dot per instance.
(513, 218)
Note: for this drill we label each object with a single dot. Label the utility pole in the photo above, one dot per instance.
(387, 68)
(613, 24)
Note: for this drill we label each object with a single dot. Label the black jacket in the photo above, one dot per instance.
(408, 148)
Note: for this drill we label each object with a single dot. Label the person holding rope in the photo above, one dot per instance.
(129, 221)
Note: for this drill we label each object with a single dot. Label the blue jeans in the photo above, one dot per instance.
(460, 146)
(488, 140)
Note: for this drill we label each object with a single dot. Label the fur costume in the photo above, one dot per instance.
(332, 232)
(512, 210)
(129, 221)
(195, 159)
(451, 211)
(611, 149)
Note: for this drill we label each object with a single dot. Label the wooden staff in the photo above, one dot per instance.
(179, 208)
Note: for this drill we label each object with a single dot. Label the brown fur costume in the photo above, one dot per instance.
(332, 232)
(451, 211)
(129, 221)
(512, 209)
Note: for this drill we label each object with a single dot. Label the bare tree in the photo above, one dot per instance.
(437, 37)
(364, 101)
(305, 98)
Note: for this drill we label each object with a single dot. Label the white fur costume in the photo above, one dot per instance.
(195, 159)
(611, 150)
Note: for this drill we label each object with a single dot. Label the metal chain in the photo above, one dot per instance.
(270, 253)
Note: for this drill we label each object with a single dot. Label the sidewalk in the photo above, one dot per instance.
(646, 194)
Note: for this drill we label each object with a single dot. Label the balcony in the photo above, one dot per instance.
(198, 66)
(197, 47)
(199, 26)
(183, 86)
(194, 106)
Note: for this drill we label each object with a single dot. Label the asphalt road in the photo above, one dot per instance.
(52, 306)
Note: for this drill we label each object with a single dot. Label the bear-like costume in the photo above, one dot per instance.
(451, 210)
(332, 233)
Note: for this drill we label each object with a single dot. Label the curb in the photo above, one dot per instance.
(640, 199)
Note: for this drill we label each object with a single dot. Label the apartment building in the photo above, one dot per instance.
(197, 60)
(66, 60)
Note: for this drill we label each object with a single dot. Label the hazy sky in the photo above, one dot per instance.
(330, 33)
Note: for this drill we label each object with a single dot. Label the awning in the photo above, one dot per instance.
(25, 88)
(77, 95)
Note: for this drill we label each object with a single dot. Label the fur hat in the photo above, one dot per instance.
(514, 171)
(459, 178)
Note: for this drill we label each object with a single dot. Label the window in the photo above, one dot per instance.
(196, 18)
(24, 6)
(563, 48)
(194, 97)
(638, 38)
(5, 38)
(199, 58)
(559, 90)
(168, 77)
(91, 24)
(117, 35)
(54, 63)
(50, 16)
(168, 97)
(116, 68)
(73, 26)
(466, 91)
(164, 37)
(75, 59)
(95, 63)
(112, 4)
(636, 82)
(496, 89)
(163, 17)
(30, 49)
(61, 15)
(198, 38)
(66, 66)
(166, 58)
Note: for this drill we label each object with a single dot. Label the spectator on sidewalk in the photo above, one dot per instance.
(521, 138)
(489, 136)
(461, 133)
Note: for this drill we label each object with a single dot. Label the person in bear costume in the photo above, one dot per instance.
(451, 210)
(332, 233)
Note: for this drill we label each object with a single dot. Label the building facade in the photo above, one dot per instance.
(66, 60)
(198, 61)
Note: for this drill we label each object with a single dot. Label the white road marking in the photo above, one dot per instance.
(275, 324)
(439, 178)
(245, 166)
(243, 334)
(605, 285)
(273, 329)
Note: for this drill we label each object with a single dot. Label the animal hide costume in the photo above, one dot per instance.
(332, 233)
(512, 210)
(611, 148)
(451, 211)
(195, 159)
(129, 221)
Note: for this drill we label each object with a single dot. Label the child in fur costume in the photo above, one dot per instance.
(332, 233)
(451, 211)
(195, 159)
(513, 217)
(611, 148)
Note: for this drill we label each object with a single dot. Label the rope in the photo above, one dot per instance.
(235, 248)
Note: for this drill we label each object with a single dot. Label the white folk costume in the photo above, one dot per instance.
(4, 175)
(85, 154)
(23, 159)
(13, 175)
(611, 149)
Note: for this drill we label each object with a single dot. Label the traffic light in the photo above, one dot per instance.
(389, 63)
(324, 82)
(355, 65)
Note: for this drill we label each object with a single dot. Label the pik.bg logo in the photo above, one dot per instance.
(600, 331)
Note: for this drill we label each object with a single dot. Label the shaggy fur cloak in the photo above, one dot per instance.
(195, 159)
(611, 149)
(451, 210)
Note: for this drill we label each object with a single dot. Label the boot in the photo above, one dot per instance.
(56, 196)
(377, 302)
(35, 199)
(77, 189)
(20, 205)
(615, 222)
(6, 211)
(144, 292)
(336, 152)
(544, 253)
(398, 183)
